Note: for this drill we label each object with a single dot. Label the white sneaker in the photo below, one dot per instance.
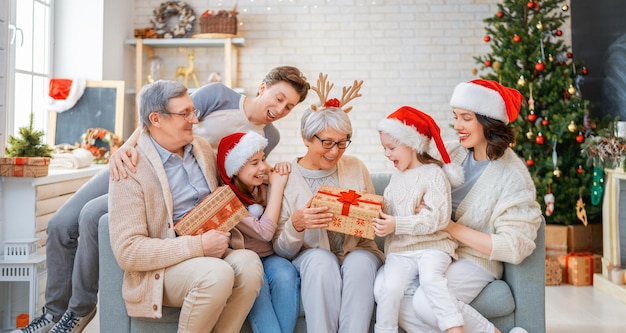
(518, 330)
(41, 324)
(69, 323)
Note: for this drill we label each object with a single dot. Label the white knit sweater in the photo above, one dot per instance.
(406, 191)
(502, 203)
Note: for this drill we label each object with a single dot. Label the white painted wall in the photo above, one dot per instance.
(407, 52)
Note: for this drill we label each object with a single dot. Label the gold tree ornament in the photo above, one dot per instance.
(581, 212)
(323, 89)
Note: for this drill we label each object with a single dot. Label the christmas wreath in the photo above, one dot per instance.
(170, 9)
(95, 139)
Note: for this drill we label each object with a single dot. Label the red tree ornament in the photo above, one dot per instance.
(580, 170)
(570, 55)
(486, 38)
(545, 121)
(585, 71)
(517, 38)
(559, 33)
(539, 139)
(500, 14)
(532, 117)
(539, 67)
(530, 162)
(580, 138)
(530, 5)
(488, 63)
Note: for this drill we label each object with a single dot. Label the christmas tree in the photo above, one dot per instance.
(29, 145)
(529, 54)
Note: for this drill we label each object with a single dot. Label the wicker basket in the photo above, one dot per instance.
(218, 24)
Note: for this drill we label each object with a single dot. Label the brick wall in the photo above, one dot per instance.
(407, 52)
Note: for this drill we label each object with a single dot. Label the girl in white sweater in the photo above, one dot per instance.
(416, 211)
(495, 214)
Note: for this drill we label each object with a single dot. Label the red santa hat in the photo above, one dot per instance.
(64, 93)
(487, 98)
(414, 128)
(233, 152)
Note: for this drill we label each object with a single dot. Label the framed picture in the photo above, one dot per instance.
(100, 106)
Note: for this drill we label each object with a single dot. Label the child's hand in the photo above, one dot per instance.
(278, 179)
(384, 225)
(283, 168)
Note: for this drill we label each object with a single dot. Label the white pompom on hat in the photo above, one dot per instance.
(414, 128)
(488, 98)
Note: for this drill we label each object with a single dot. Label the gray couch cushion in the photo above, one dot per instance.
(496, 292)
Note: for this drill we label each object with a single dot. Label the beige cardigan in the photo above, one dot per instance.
(141, 226)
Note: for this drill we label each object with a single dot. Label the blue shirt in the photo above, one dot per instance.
(187, 182)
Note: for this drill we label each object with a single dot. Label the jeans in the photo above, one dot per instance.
(72, 278)
(277, 307)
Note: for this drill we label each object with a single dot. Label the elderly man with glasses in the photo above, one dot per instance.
(214, 285)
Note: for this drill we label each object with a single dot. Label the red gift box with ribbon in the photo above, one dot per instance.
(578, 268)
(220, 210)
(24, 166)
(352, 211)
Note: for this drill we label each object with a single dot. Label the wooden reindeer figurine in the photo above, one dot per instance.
(187, 71)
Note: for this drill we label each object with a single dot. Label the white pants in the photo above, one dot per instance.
(465, 281)
(429, 266)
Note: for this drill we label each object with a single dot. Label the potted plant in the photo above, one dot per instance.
(26, 156)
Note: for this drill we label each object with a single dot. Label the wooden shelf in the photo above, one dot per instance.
(230, 44)
(188, 42)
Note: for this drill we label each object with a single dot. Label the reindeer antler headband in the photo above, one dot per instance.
(323, 89)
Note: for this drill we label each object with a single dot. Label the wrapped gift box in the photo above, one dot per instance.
(554, 272)
(578, 268)
(582, 238)
(24, 166)
(352, 211)
(556, 240)
(220, 210)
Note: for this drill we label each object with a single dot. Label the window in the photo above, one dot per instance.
(29, 63)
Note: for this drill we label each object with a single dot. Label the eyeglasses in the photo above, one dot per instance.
(188, 115)
(329, 144)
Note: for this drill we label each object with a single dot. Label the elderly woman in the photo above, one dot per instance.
(337, 271)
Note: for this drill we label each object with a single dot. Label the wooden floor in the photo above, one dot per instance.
(569, 309)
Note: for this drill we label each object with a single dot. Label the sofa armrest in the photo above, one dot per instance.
(113, 315)
(527, 283)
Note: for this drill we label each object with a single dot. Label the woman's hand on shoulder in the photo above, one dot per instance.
(384, 225)
(309, 217)
(124, 156)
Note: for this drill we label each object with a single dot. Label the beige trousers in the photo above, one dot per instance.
(215, 295)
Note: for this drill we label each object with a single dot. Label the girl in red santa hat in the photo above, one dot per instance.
(241, 165)
(495, 214)
(416, 211)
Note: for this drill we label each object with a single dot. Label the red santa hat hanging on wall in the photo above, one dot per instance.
(64, 93)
